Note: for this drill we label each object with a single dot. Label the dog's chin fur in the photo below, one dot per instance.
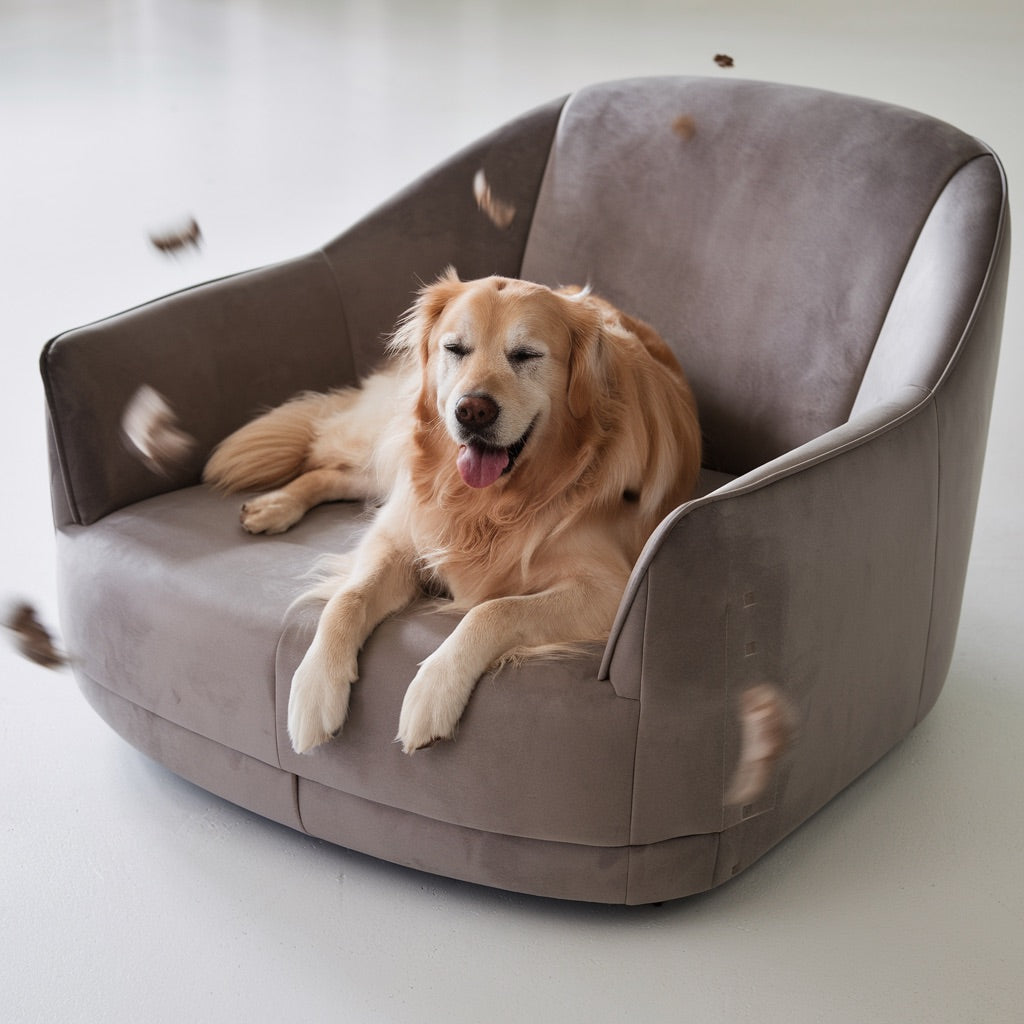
(614, 446)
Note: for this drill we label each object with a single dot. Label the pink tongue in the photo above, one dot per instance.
(480, 467)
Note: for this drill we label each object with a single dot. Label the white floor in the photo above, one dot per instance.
(129, 895)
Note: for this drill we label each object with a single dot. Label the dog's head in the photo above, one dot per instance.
(509, 368)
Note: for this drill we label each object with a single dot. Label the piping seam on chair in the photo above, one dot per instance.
(566, 103)
(925, 656)
(332, 274)
(987, 154)
(58, 439)
(997, 246)
(983, 290)
(639, 715)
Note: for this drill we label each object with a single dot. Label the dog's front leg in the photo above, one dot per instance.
(383, 581)
(438, 695)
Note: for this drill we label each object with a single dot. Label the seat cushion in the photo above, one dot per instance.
(172, 606)
(543, 751)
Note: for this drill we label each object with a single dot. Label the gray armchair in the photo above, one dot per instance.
(831, 272)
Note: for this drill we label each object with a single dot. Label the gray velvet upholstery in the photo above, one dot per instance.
(831, 272)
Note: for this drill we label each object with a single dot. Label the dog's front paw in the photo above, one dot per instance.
(318, 703)
(432, 706)
(274, 512)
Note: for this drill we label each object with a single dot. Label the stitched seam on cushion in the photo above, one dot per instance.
(298, 803)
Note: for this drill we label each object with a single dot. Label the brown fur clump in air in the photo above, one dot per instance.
(498, 211)
(150, 428)
(172, 240)
(685, 127)
(32, 638)
(766, 731)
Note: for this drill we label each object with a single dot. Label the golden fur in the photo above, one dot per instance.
(595, 425)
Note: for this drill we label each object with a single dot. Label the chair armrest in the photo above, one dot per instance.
(217, 352)
(815, 573)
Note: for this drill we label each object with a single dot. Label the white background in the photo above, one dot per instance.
(129, 895)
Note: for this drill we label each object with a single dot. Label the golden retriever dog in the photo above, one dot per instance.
(524, 443)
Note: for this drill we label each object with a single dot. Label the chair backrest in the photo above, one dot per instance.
(782, 240)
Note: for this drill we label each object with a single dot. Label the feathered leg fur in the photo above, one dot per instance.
(312, 449)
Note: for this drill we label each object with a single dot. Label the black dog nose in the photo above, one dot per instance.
(476, 411)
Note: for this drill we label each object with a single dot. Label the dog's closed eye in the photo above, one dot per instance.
(522, 356)
(456, 348)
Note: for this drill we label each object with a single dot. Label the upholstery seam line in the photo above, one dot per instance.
(941, 191)
(925, 654)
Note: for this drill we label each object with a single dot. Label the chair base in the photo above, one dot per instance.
(631, 875)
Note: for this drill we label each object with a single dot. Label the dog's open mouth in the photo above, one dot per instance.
(480, 465)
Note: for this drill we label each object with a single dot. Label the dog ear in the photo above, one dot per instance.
(587, 355)
(434, 297)
(413, 332)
